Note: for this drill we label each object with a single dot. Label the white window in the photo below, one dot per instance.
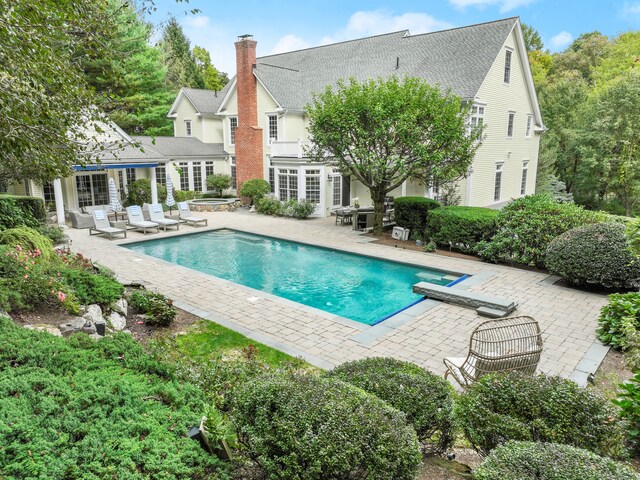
(161, 175)
(527, 132)
(197, 176)
(523, 182)
(510, 123)
(234, 185)
(184, 175)
(92, 189)
(477, 116)
(187, 127)
(498, 183)
(48, 192)
(336, 190)
(272, 177)
(287, 184)
(131, 176)
(273, 127)
(507, 66)
(208, 169)
(233, 124)
(312, 185)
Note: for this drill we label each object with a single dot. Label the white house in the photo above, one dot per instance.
(259, 116)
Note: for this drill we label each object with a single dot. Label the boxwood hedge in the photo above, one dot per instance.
(424, 397)
(460, 228)
(513, 406)
(94, 410)
(316, 428)
(411, 213)
(549, 461)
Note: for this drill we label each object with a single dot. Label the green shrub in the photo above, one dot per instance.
(298, 208)
(633, 233)
(158, 308)
(184, 195)
(218, 182)
(618, 317)
(549, 461)
(461, 228)
(629, 403)
(302, 426)
(425, 398)
(596, 254)
(91, 287)
(28, 239)
(79, 408)
(526, 226)
(411, 212)
(269, 206)
(52, 232)
(499, 408)
(139, 192)
(255, 188)
(16, 211)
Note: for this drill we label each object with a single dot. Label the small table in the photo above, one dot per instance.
(114, 215)
(121, 224)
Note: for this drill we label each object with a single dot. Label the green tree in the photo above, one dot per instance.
(384, 132)
(532, 40)
(219, 182)
(182, 70)
(212, 78)
(583, 55)
(621, 56)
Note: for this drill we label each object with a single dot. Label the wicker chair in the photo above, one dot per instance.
(500, 345)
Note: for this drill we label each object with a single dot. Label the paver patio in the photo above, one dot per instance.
(424, 335)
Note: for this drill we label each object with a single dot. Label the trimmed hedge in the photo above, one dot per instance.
(549, 461)
(499, 408)
(424, 397)
(316, 428)
(16, 211)
(78, 408)
(461, 228)
(411, 212)
(596, 254)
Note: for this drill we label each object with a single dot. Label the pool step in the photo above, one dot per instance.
(464, 298)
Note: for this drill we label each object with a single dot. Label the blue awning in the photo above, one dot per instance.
(112, 166)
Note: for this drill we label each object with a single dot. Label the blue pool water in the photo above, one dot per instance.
(361, 288)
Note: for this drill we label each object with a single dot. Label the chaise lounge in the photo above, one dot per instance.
(136, 220)
(157, 215)
(102, 226)
(187, 217)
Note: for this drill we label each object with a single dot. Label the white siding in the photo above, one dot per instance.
(186, 111)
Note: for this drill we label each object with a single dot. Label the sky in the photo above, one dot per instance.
(281, 27)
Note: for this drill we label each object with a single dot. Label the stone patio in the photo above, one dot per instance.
(424, 334)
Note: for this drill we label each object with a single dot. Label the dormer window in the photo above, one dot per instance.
(187, 127)
(507, 66)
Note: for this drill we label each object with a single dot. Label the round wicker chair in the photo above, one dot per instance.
(500, 345)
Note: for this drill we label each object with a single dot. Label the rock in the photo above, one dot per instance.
(89, 328)
(67, 329)
(120, 306)
(78, 323)
(93, 314)
(43, 327)
(117, 321)
(101, 327)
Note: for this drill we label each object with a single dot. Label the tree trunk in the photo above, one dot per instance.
(377, 196)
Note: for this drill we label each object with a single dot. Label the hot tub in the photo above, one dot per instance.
(214, 204)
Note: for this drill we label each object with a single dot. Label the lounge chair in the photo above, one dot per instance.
(137, 221)
(102, 226)
(80, 220)
(157, 215)
(500, 345)
(187, 217)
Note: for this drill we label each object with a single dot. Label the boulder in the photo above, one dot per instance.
(78, 324)
(121, 306)
(93, 313)
(43, 327)
(89, 328)
(117, 321)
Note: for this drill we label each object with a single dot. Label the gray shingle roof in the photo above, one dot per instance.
(459, 59)
(206, 101)
(175, 147)
(112, 153)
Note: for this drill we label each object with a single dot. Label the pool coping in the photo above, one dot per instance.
(395, 320)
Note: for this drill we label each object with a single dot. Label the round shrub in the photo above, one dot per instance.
(255, 188)
(512, 406)
(158, 308)
(411, 212)
(269, 206)
(461, 227)
(425, 398)
(28, 239)
(549, 461)
(596, 254)
(313, 428)
(526, 226)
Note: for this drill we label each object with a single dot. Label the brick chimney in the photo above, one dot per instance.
(248, 136)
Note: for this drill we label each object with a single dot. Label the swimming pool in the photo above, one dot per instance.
(357, 287)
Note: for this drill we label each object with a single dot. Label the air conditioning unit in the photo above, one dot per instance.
(400, 233)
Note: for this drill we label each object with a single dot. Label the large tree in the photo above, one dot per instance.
(182, 70)
(213, 80)
(386, 131)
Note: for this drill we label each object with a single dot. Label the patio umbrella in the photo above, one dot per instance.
(170, 200)
(114, 201)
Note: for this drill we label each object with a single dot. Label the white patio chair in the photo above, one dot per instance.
(102, 226)
(187, 217)
(156, 214)
(136, 220)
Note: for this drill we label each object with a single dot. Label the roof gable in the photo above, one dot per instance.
(205, 102)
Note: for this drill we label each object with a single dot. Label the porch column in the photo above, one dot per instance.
(154, 186)
(57, 192)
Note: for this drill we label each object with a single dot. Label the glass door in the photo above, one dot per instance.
(92, 189)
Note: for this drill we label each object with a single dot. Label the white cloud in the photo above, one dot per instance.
(631, 8)
(505, 5)
(289, 43)
(198, 21)
(362, 24)
(560, 40)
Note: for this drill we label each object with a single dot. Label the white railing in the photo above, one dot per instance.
(293, 149)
